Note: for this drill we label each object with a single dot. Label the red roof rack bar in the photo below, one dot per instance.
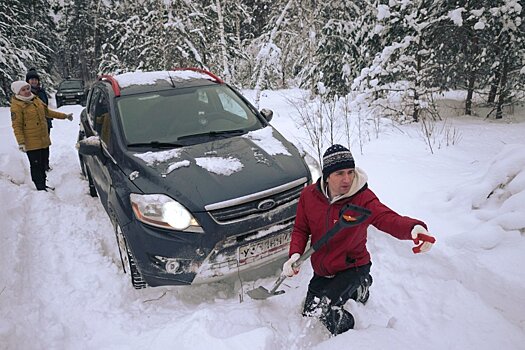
(203, 71)
(113, 81)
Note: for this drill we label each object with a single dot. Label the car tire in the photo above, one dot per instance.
(127, 260)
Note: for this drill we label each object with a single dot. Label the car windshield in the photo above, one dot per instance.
(71, 84)
(191, 114)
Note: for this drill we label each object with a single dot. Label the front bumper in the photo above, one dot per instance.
(70, 99)
(182, 258)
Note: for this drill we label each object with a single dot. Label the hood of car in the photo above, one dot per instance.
(220, 169)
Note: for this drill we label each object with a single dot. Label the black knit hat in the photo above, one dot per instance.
(335, 158)
(31, 73)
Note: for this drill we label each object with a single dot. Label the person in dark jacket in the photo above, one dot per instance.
(38, 90)
(28, 119)
(342, 266)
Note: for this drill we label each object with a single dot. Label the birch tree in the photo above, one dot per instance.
(267, 53)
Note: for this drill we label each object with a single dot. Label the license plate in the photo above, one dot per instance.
(261, 249)
(70, 96)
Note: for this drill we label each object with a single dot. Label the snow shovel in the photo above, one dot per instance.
(344, 221)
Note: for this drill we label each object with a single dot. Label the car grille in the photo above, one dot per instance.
(258, 203)
(238, 254)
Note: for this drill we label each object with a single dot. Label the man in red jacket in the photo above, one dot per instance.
(342, 266)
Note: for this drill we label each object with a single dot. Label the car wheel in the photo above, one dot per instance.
(128, 263)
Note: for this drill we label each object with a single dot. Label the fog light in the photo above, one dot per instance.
(200, 252)
(175, 266)
(172, 266)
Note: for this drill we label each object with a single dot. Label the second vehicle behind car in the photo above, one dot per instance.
(71, 91)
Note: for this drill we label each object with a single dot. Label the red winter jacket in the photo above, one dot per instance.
(316, 215)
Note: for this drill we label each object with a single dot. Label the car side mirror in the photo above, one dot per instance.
(267, 114)
(90, 146)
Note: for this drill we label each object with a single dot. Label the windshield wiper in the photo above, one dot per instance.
(156, 144)
(222, 133)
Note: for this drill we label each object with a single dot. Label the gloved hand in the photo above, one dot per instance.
(420, 234)
(69, 116)
(22, 148)
(288, 270)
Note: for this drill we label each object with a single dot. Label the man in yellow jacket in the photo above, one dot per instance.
(29, 121)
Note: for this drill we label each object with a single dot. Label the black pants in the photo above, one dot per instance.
(46, 158)
(37, 162)
(341, 287)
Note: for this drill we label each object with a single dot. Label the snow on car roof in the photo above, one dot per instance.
(151, 78)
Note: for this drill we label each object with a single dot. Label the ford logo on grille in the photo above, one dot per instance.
(266, 204)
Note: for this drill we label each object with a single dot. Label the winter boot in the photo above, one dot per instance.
(337, 320)
(311, 306)
(362, 293)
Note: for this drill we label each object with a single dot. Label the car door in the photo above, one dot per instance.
(103, 164)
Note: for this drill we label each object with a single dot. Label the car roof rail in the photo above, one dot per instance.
(203, 71)
(114, 83)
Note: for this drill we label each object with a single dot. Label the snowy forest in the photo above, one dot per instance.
(359, 50)
(390, 79)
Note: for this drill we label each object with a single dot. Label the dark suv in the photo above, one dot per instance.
(197, 183)
(71, 91)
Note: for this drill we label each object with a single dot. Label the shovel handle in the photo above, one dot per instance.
(343, 222)
(277, 284)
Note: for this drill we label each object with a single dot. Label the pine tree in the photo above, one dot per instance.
(406, 64)
(506, 38)
(21, 45)
(76, 29)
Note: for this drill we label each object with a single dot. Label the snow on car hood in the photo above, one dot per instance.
(221, 169)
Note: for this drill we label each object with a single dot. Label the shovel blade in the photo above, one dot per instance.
(262, 293)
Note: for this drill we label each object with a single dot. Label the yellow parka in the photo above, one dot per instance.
(28, 119)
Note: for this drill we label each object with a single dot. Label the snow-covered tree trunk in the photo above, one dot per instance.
(265, 53)
(225, 68)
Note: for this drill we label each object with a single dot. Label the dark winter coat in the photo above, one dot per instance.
(41, 93)
(316, 215)
(29, 122)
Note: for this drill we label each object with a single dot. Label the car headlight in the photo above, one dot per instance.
(80, 93)
(161, 211)
(60, 94)
(313, 166)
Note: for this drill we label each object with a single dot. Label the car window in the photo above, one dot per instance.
(95, 94)
(231, 103)
(71, 84)
(102, 118)
(166, 116)
(99, 116)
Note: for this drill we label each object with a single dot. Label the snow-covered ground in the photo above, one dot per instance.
(61, 284)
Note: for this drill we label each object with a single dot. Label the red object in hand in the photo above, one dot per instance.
(421, 237)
